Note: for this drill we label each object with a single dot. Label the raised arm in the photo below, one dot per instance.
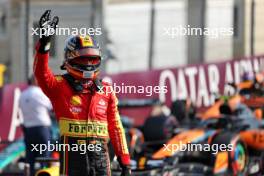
(44, 76)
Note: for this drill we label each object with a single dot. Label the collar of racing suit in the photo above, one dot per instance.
(84, 86)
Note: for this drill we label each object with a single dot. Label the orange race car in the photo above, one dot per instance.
(233, 123)
(227, 145)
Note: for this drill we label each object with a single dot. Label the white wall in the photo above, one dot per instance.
(219, 15)
(128, 25)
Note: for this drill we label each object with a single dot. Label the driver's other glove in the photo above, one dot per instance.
(126, 170)
(47, 30)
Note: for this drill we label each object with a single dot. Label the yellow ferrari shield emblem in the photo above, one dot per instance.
(87, 41)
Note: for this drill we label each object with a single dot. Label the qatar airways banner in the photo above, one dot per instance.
(9, 112)
(198, 82)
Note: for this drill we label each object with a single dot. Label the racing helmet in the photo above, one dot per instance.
(248, 76)
(82, 57)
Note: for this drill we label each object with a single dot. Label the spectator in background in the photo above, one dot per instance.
(160, 125)
(184, 111)
(239, 109)
(35, 107)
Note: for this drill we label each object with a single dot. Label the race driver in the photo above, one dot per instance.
(86, 107)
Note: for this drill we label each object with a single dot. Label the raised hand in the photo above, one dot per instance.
(47, 30)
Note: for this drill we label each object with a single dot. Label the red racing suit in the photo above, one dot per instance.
(82, 117)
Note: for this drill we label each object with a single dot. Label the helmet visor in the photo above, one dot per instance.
(85, 63)
(86, 52)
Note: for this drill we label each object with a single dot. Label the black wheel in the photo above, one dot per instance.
(238, 156)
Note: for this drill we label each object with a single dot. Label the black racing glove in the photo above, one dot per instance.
(47, 30)
(126, 170)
